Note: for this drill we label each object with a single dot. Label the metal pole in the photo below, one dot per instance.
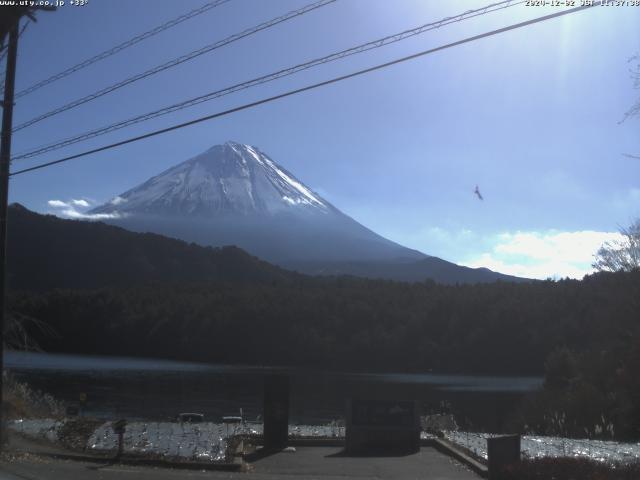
(5, 159)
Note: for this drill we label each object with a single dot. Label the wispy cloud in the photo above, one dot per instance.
(81, 203)
(550, 254)
(532, 253)
(118, 200)
(76, 209)
(57, 204)
(72, 213)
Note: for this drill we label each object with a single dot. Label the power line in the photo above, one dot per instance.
(177, 61)
(268, 78)
(308, 87)
(118, 48)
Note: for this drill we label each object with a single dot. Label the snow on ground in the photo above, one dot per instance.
(332, 430)
(538, 446)
(196, 441)
(208, 441)
(41, 428)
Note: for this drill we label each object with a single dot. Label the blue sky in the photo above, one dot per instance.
(532, 116)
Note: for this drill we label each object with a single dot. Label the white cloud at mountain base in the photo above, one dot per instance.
(76, 209)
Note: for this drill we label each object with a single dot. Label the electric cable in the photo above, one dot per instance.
(308, 87)
(176, 61)
(122, 46)
(265, 78)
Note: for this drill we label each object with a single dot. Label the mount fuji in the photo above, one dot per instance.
(234, 194)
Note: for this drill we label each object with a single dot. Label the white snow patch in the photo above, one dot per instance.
(295, 184)
(41, 428)
(534, 446)
(239, 179)
(196, 441)
(254, 154)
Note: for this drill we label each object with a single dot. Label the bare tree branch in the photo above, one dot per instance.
(17, 331)
(634, 71)
(620, 255)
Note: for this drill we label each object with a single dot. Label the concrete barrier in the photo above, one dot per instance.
(382, 427)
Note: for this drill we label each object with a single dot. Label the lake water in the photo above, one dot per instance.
(158, 390)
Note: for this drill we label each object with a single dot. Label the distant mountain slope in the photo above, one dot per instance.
(234, 194)
(430, 268)
(47, 252)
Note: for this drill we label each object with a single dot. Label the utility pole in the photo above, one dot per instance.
(5, 160)
(9, 23)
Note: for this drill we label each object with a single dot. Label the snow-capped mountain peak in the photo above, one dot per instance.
(234, 194)
(228, 179)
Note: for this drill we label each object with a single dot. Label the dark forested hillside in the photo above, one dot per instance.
(347, 323)
(46, 252)
(107, 290)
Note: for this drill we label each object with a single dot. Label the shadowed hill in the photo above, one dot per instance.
(46, 252)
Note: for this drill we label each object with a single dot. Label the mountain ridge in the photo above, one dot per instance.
(234, 194)
(229, 178)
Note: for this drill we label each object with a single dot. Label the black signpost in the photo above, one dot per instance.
(276, 412)
(502, 451)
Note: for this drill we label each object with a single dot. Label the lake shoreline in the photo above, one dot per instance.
(12, 361)
(148, 389)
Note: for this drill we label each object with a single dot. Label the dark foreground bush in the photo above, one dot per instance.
(570, 469)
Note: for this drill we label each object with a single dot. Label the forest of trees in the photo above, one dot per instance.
(346, 323)
(582, 334)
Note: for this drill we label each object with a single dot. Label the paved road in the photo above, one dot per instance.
(329, 462)
(325, 463)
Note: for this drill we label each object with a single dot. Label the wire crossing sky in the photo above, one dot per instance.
(378, 43)
(304, 89)
(532, 116)
(176, 61)
(120, 47)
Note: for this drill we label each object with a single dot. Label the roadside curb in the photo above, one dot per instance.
(449, 449)
(133, 461)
